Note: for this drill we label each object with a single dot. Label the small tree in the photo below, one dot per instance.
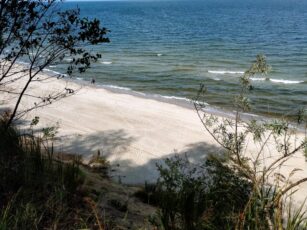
(265, 208)
(41, 34)
(198, 196)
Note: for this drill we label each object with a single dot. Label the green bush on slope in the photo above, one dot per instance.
(206, 196)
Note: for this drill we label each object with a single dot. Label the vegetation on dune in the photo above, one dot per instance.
(37, 192)
(239, 190)
(201, 196)
(246, 189)
(269, 198)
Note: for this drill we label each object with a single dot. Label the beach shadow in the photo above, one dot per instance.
(129, 164)
(129, 173)
(4, 109)
(19, 123)
(107, 142)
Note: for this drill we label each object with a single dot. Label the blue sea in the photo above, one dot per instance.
(168, 48)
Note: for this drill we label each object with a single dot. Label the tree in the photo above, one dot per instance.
(41, 34)
(270, 188)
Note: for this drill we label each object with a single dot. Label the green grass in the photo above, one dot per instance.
(36, 191)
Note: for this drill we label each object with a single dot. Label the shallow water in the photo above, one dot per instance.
(170, 47)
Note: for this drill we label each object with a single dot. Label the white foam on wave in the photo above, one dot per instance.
(144, 94)
(259, 78)
(106, 62)
(286, 81)
(23, 63)
(116, 87)
(180, 99)
(44, 70)
(52, 66)
(250, 115)
(225, 72)
(176, 98)
(123, 88)
(54, 72)
(159, 55)
(140, 93)
(282, 81)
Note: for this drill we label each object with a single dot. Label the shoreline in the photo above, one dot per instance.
(179, 101)
(182, 102)
(132, 132)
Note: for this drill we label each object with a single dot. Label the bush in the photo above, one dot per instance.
(148, 194)
(276, 142)
(206, 196)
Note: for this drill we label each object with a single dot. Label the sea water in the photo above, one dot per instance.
(168, 48)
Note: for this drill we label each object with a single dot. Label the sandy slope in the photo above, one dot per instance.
(132, 132)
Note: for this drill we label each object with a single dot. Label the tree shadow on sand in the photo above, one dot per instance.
(131, 173)
(108, 142)
(129, 164)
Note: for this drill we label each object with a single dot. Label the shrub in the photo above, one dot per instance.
(262, 167)
(199, 196)
(148, 194)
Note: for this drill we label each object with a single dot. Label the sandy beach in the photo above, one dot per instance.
(133, 133)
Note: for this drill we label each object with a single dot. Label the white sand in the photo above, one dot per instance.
(132, 132)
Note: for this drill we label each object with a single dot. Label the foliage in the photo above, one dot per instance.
(41, 34)
(37, 191)
(246, 190)
(99, 163)
(199, 196)
(148, 194)
(264, 207)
